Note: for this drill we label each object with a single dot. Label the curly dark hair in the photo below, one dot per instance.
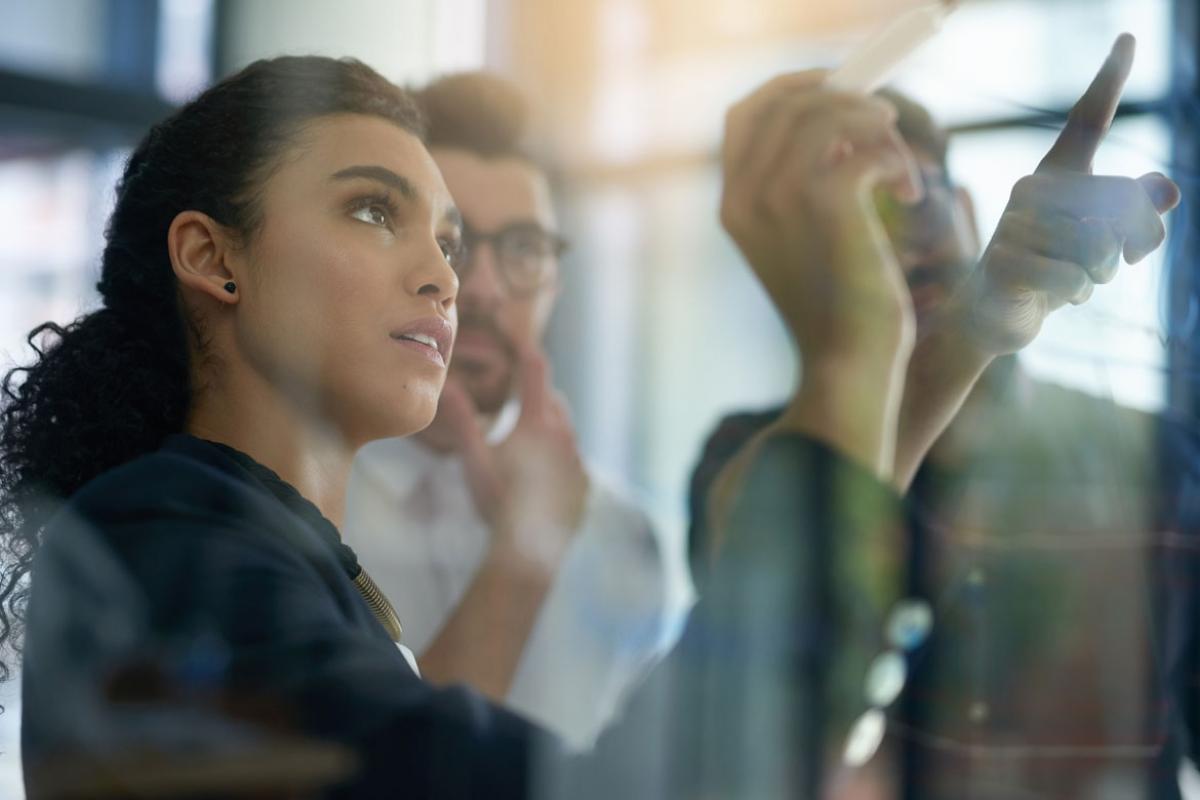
(113, 384)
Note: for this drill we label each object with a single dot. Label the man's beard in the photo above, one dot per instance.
(488, 385)
(933, 284)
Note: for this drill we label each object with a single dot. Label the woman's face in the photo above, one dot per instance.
(348, 309)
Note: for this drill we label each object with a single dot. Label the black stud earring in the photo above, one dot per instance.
(230, 287)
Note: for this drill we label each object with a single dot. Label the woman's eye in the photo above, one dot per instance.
(372, 215)
(450, 250)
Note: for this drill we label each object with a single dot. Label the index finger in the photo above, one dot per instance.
(457, 405)
(1091, 117)
(533, 377)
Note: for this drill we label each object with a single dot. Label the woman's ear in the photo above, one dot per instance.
(199, 247)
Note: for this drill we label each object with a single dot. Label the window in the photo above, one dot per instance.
(79, 83)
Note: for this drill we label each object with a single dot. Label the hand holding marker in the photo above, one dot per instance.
(875, 61)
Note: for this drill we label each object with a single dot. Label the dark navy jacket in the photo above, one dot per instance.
(191, 608)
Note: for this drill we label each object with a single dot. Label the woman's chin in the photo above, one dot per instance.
(390, 423)
(415, 419)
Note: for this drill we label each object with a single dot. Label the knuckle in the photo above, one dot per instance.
(1080, 282)
(1015, 223)
(1026, 189)
(1130, 190)
(726, 215)
(1083, 294)
(1105, 273)
(1160, 232)
(732, 216)
(1002, 254)
(735, 113)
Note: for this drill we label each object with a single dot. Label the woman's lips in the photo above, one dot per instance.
(478, 346)
(431, 337)
(423, 349)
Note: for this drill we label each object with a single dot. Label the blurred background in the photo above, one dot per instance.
(661, 329)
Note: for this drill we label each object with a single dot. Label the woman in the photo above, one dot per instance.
(277, 290)
(276, 279)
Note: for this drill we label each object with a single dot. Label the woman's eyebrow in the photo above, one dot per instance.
(381, 174)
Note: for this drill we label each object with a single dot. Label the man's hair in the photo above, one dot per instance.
(917, 126)
(478, 112)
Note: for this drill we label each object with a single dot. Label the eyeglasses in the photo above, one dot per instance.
(526, 255)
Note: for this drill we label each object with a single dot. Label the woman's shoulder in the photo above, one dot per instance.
(175, 480)
(185, 507)
(184, 496)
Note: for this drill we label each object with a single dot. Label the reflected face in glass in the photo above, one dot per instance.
(349, 308)
(508, 268)
(935, 240)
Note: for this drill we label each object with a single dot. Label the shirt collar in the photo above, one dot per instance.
(401, 462)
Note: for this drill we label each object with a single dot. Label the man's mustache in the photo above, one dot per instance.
(487, 324)
(946, 274)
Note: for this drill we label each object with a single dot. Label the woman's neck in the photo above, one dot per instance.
(245, 412)
(443, 436)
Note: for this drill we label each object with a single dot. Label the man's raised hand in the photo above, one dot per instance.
(1064, 229)
(531, 488)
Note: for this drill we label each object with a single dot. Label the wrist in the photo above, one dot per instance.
(852, 406)
(528, 556)
(852, 384)
(949, 351)
(944, 367)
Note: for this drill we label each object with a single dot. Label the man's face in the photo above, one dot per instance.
(495, 311)
(935, 240)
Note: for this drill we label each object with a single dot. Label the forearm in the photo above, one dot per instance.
(812, 562)
(482, 642)
(944, 367)
(849, 405)
(853, 406)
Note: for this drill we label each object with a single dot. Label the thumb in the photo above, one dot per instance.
(459, 411)
(534, 380)
(479, 463)
(1163, 191)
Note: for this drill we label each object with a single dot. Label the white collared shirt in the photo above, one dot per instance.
(616, 606)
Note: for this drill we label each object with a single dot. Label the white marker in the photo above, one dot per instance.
(873, 63)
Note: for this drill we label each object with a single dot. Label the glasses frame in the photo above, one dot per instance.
(472, 239)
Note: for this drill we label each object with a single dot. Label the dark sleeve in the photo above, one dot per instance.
(1177, 584)
(731, 434)
(763, 688)
(238, 626)
(207, 621)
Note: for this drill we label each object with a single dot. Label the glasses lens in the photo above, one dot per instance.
(528, 256)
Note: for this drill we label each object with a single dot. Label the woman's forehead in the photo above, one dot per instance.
(331, 145)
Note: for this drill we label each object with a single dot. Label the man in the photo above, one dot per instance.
(562, 634)
(1035, 508)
